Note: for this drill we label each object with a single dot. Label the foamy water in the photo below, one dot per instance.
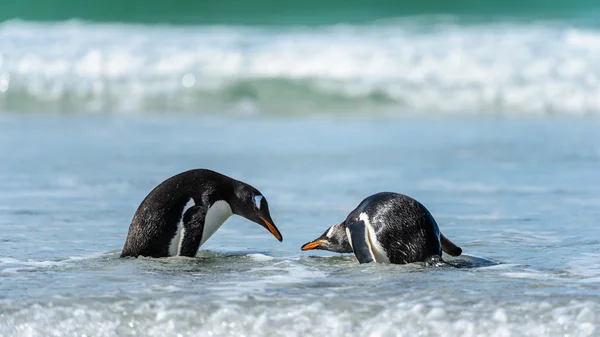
(400, 67)
(518, 196)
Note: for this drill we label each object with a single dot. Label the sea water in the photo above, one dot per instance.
(522, 196)
(491, 124)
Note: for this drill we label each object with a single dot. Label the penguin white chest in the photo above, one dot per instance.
(216, 215)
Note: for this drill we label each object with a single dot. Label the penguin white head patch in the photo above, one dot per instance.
(257, 200)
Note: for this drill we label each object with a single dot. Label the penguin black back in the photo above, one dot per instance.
(404, 229)
(163, 216)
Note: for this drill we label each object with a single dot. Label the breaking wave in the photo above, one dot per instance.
(394, 67)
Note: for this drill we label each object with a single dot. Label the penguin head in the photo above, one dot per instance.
(334, 240)
(252, 205)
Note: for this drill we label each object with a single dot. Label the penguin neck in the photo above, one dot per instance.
(224, 192)
(232, 198)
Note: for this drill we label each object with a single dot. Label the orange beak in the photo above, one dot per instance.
(312, 245)
(272, 229)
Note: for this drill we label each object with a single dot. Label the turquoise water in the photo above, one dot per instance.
(486, 112)
(284, 12)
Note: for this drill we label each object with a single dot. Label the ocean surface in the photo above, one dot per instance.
(521, 197)
(488, 112)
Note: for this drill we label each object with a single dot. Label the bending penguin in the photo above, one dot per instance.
(387, 228)
(181, 213)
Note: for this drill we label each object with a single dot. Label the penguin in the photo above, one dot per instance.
(388, 227)
(182, 212)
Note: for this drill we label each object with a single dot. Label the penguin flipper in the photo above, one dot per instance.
(193, 226)
(360, 242)
(449, 247)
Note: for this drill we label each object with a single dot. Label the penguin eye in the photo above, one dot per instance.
(257, 200)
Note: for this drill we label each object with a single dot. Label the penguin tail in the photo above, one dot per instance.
(449, 247)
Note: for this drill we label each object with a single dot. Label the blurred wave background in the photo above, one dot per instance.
(301, 57)
(484, 110)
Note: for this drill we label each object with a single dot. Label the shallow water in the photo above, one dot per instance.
(521, 197)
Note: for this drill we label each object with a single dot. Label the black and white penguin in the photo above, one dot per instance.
(387, 228)
(181, 213)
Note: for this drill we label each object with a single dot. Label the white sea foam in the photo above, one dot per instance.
(531, 275)
(585, 265)
(400, 67)
(260, 257)
(16, 265)
(172, 317)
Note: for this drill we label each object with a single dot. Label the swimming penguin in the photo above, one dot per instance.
(387, 228)
(181, 213)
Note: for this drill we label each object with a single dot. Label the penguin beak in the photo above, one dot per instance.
(313, 244)
(269, 226)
